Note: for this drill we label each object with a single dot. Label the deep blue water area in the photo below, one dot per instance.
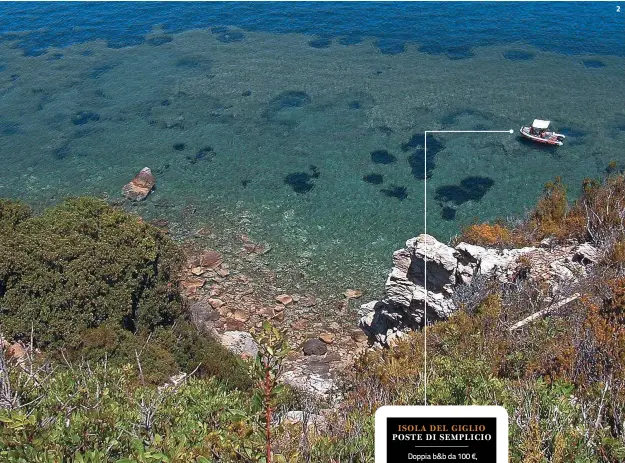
(451, 28)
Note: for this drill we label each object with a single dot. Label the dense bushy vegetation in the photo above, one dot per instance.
(87, 280)
(561, 379)
(98, 414)
(81, 265)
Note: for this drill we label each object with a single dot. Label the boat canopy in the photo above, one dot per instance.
(538, 124)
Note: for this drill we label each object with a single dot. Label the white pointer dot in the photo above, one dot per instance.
(511, 131)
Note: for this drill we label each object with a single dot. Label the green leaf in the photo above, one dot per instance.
(257, 402)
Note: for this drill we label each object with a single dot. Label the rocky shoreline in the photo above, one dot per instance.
(231, 294)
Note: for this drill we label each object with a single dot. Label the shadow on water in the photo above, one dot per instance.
(574, 136)
(551, 149)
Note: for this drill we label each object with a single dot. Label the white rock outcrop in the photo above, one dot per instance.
(412, 282)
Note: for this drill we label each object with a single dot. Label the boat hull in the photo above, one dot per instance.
(555, 139)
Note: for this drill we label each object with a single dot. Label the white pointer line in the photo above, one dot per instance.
(469, 131)
(425, 245)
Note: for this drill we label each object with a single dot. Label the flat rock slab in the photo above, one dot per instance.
(239, 343)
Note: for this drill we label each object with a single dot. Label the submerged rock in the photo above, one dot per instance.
(210, 259)
(352, 293)
(141, 186)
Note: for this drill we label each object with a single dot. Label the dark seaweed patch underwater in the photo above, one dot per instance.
(382, 157)
(374, 179)
(469, 189)
(448, 213)
(302, 182)
(593, 64)
(284, 101)
(417, 159)
(320, 43)
(518, 55)
(395, 191)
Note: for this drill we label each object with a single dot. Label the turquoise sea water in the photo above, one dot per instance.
(303, 123)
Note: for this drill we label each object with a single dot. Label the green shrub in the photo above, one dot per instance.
(97, 413)
(94, 281)
(81, 265)
(11, 214)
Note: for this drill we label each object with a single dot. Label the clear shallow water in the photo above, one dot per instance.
(307, 121)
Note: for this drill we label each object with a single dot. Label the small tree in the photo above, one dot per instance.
(266, 371)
